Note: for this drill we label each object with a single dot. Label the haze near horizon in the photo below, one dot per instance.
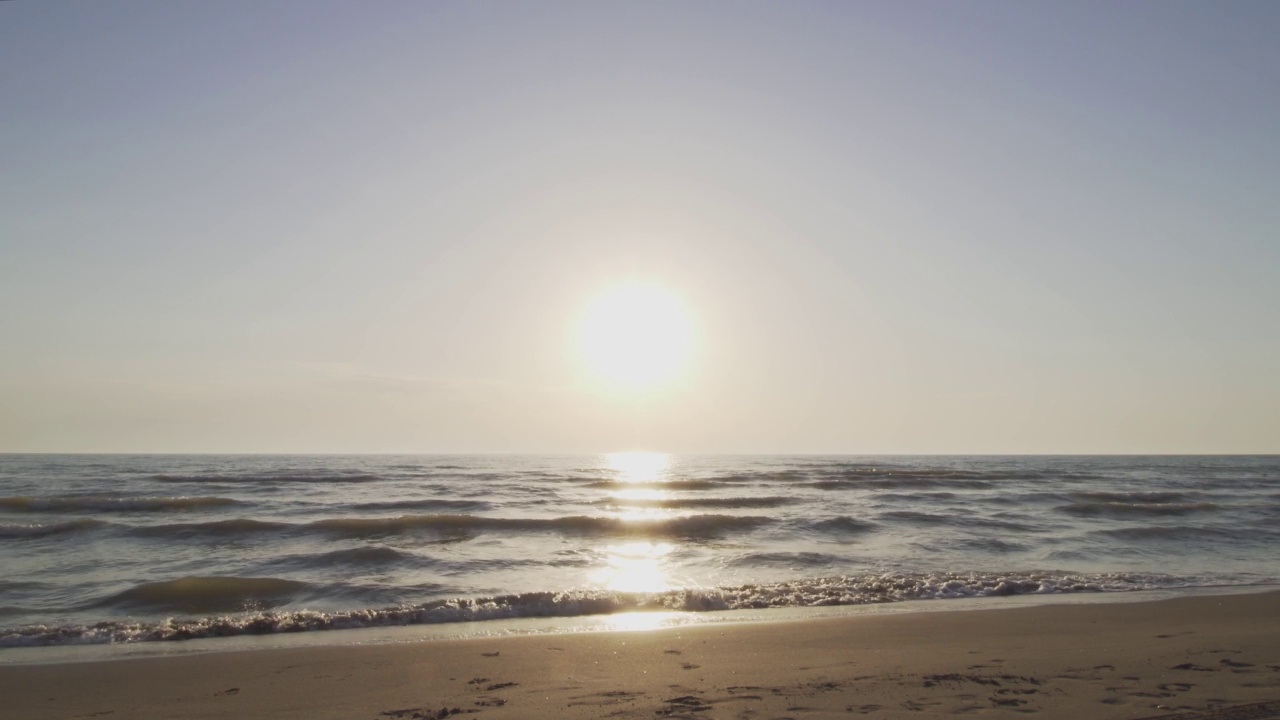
(874, 227)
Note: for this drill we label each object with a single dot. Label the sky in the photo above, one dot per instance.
(968, 227)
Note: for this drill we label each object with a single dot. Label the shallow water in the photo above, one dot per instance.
(124, 548)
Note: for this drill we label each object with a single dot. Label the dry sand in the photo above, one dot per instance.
(1188, 658)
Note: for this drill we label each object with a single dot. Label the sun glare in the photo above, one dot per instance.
(638, 466)
(635, 567)
(636, 336)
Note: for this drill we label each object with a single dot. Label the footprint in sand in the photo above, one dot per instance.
(501, 685)
(1253, 711)
(683, 704)
(612, 697)
(420, 714)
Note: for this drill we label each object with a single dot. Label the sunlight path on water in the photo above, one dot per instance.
(638, 566)
(639, 467)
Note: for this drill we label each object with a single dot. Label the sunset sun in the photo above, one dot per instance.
(636, 336)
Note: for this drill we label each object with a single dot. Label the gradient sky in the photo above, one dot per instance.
(898, 227)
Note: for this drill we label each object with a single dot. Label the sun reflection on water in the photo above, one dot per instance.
(638, 467)
(640, 495)
(638, 566)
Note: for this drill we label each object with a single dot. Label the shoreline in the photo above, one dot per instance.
(634, 621)
(639, 620)
(1195, 653)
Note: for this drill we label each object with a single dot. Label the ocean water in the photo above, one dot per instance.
(120, 549)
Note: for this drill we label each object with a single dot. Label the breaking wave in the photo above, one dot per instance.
(825, 591)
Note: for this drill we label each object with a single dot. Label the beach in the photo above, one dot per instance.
(1197, 657)
(592, 360)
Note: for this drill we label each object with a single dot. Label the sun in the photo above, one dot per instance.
(636, 336)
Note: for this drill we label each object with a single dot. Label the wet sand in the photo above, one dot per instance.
(1198, 658)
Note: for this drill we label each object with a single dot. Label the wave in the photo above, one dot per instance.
(238, 526)
(765, 476)
(823, 591)
(909, 474)
(892, 482)
(268, 478)
(425, 504)
(197, 595)
(690, 526)
(785, 559)
(207, 594)
(655, 485)
(1132, 497)
(938, 472)
(956, 519)
(889, 477)
(915, 497)
(361, 557)
(1168, 532)
(1129, 509)
(739, 503)
(34, 530)
(18, 585)
(842, 525)
(90, 503)
(988, 544)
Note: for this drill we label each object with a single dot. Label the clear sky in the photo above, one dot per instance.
(891, 227)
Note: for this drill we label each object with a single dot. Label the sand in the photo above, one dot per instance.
(1188, 658)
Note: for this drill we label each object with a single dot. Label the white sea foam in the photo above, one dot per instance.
(822, 591)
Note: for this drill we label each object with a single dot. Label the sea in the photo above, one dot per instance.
(126, 549)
